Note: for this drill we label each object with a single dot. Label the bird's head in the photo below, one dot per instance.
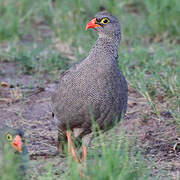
(105, 24)
(12, 138)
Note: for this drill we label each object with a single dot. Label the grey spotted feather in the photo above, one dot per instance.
(94, 86)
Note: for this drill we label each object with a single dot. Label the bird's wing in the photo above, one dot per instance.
(56, 94)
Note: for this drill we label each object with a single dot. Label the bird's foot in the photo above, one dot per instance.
(76, 158)
(71, 147)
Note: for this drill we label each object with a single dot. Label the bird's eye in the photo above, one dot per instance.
(105, 21)
(9, 137)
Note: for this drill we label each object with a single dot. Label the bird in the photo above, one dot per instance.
(93, 90)
(13, 153)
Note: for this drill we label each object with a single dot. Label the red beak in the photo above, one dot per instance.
(17, 143)
(92, 24)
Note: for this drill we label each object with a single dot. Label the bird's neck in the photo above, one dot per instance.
(106, 46)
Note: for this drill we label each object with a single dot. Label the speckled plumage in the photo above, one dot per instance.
(95, 86)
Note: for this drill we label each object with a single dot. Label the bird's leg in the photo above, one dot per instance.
(86, 141)
(84, 154)
(83, 161)
(71, 147)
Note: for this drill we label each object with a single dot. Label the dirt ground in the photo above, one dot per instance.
(29, 109)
